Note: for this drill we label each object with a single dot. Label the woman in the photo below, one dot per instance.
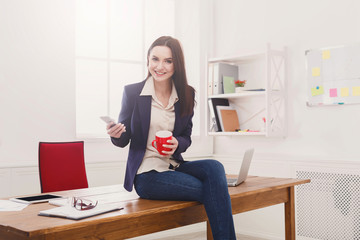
(165, 101)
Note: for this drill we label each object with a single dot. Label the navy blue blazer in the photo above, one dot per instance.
(135, 115)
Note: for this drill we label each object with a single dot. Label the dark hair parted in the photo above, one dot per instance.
(185, 92)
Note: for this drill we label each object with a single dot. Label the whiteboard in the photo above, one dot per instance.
(333, 75)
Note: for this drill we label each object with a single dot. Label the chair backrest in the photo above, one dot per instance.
(62, 166)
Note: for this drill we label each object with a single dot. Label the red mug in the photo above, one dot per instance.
(161, 138)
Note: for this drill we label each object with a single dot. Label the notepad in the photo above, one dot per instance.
(72, 213)
(228, 117)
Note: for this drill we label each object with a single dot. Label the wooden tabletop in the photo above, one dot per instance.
(26, 224)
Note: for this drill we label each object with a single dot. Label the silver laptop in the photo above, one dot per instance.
(243, 173)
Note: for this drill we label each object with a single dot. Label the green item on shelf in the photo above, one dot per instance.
(229, 84)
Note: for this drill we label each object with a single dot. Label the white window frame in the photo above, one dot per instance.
(202, 144)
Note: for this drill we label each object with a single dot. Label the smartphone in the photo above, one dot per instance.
(108, 120)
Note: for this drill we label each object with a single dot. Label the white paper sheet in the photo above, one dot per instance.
(7, 205)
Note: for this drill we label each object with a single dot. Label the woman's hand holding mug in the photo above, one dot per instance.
(165, 143)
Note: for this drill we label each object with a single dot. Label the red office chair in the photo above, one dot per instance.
(62, 166)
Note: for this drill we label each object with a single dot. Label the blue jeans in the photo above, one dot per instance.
(201, 180)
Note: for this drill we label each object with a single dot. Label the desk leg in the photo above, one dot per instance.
(208, 231)
(290, 216)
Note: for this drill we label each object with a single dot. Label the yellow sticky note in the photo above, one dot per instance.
(326, 54)
(344, 92)
(318, 90)
(316, 71)
(356, 91)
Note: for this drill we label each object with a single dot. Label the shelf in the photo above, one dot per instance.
(239, 95)
(264, 68)
(238, 58)
(237, 133)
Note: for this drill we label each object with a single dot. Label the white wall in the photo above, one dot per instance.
(37, 95)
(318, 137)
(37, 77)
(319, 133)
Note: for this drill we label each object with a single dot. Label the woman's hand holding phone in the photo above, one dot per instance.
(114, 130)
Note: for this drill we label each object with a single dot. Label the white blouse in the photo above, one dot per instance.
(162, 118)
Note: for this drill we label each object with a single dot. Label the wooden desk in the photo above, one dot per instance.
(142, 216)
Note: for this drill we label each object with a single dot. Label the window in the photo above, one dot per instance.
(111, 41)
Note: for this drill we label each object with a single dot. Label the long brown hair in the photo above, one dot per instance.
(185, 92)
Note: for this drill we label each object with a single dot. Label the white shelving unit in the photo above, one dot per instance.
(264, 69)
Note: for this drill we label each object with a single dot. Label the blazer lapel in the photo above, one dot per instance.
(144, 106)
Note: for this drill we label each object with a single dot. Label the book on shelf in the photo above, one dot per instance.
(214, 102)
(256, 89)
(210, 79)
(229, 119)
(229, 84)
(213, 125)
(219, 71)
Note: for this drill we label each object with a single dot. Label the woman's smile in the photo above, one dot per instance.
(161, 65)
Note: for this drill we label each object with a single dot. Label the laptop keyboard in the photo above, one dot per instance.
(231, 180)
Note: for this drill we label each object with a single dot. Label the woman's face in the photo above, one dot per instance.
(161, 65)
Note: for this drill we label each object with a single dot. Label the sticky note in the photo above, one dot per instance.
(318, 90)
(326, 54)
(356, 91)
(333, 92)
(316, 71)
(344, 92)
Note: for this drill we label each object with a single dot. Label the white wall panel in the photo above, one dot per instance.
(16, 181)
